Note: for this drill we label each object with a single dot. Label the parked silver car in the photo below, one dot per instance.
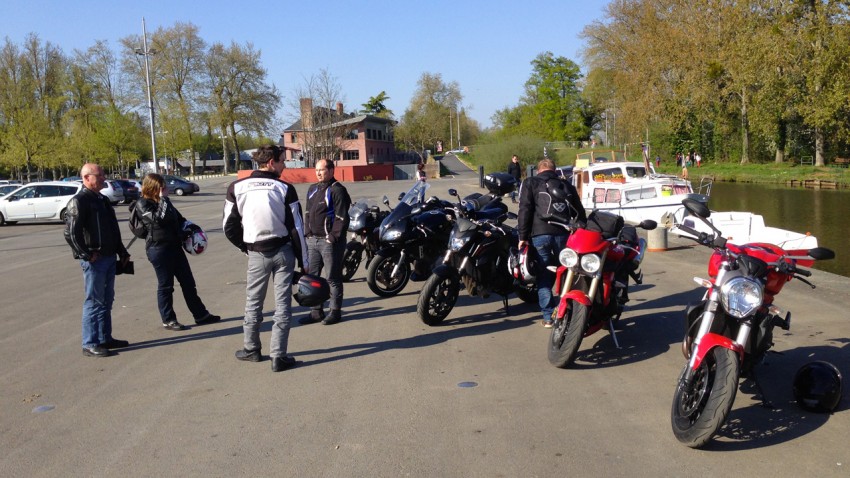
(41, 201)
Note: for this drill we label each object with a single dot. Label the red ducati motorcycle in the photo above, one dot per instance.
(593, 279)
(731, 329)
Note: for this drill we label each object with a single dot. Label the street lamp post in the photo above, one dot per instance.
(146, 52)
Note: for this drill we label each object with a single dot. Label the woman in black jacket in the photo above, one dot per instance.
(167, 229)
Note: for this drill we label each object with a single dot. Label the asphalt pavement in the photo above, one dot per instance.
(381, 394)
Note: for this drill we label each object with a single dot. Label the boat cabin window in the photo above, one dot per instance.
(608, 173)
(606, 195)
(641, 193)
(635, 171)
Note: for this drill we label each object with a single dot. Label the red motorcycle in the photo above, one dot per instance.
(732, 328)
(593, 280)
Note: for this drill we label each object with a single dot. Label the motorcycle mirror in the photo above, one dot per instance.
(400, 196)
(821, 253)
(696, 208)
(452, 192)
(385, 200)
(648, 224)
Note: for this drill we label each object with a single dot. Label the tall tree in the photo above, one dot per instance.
(319, 104)
(426, 120)
(238, 93)
(375, 106)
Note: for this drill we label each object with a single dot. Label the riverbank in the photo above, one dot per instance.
(785, 173)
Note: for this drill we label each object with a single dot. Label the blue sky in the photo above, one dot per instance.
(369, 46)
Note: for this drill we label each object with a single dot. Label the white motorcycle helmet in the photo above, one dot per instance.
(196, 242)
(522, 263)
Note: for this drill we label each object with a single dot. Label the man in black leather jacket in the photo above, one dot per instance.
(547, 239)
(91, 229)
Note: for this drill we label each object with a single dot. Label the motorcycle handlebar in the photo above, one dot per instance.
(803, 272)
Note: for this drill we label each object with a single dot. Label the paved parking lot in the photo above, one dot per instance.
(379, 394)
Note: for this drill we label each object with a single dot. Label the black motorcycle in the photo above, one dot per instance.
(363, 227)
(477, 257)
(412, 239)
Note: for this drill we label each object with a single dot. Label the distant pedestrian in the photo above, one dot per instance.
(326, 224)
(91, 229)
(262, 217)
(515, 170)
(657, 162)
(685, 171)
(698, 159)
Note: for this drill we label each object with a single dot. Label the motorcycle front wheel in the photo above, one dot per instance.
(701, 405)
(379, 275)
(351, 259)
(567, 334)
(437, 298)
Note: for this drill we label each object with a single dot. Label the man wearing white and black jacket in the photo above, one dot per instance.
(262, 217)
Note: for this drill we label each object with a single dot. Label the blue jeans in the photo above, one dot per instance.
(99, 285)
(326, 261)
(547, 247)
(169, 261)
(263, 266)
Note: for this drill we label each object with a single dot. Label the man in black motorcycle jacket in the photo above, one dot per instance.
(547, 239)
(91, 229)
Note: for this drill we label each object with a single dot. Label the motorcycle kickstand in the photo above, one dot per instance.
(613, 332)
(505, 301)
(765, 403)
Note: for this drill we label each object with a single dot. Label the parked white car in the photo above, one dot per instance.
(112, 189)
(37, 202)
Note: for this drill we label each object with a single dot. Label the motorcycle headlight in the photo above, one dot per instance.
(457, 243)
(391, 235)
(568, 257)
(741, 296)
(590, 263)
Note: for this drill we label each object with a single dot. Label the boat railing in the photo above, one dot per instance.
(705, 183)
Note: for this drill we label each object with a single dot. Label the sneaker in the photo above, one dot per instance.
(173, 325)
(249, 355)
(279, 364)
(547, 324)
(208, 319)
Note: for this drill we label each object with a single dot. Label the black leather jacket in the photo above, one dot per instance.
(91, 226)
(163, 220)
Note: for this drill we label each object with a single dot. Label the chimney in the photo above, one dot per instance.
(307, 113)
(339, 108)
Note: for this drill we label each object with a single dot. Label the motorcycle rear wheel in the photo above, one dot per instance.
(378, 276)
(351, 259)
(437, 299)
(566, 335)
(701, 405)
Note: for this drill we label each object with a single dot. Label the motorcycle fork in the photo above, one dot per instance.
(401, 258)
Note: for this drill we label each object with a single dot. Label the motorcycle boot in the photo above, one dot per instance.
(316, 315)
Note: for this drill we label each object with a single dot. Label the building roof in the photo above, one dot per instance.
(297, 126)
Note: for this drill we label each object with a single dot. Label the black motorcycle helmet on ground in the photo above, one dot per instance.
(817, 387)
(310, 290)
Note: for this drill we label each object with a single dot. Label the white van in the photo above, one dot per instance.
(37, 202)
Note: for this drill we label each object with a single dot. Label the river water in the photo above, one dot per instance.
(824, 213)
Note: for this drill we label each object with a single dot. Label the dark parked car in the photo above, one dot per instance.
(131, 191)
(179, 186)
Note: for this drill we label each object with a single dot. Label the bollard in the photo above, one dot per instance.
(656, 239)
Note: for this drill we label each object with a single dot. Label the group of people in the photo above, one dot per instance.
(262, 217)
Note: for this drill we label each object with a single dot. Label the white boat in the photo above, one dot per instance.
(632, 189)
(743, 228)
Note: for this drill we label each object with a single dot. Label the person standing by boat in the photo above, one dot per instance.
(515, 170)
(547, 239)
